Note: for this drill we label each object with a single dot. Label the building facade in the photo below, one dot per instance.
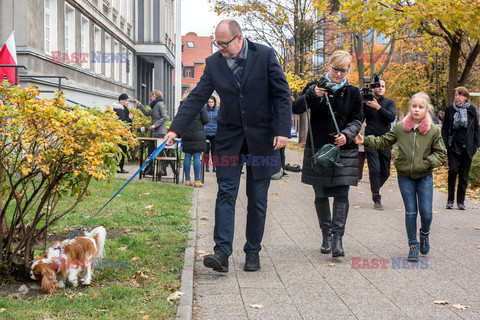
(103, 47)
(195, 49)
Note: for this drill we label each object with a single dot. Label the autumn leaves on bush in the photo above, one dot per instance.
(47, 150)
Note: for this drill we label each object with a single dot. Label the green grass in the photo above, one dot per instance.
(154, 246)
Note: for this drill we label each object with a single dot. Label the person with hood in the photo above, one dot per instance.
(346, 103)
(121, 109)
(158, 126)
(420, 150)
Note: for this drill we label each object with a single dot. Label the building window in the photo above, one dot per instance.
(116, 61)
(85, 41)
(130, 68)
(98, 49)
(69, 29)
(108, 55)
(188, 72)
(50, 22)
(123, 62)
(190, 44)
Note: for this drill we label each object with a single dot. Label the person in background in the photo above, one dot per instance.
(193, 143)
(379, 115)
(335, 182)
(210, 131)
(253, 123)
(121, 109)
(420, 150)
(158, 126)
(461, 134)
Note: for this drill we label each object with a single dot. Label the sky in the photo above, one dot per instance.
(198, 17)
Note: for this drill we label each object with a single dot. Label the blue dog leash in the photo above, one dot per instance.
(151, 158)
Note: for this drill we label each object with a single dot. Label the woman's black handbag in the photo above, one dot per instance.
(328, 155)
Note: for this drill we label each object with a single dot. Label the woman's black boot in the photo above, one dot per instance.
(325, 221)
(340, 213)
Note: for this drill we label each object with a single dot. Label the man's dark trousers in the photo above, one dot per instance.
(257, 194)
(378, 169)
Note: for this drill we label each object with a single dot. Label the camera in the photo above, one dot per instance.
(141, 129)
(367, 92)
(323, 83)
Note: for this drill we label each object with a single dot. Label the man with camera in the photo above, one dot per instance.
(379, 113)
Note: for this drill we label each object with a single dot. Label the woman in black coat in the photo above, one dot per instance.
(461, 134)
(335, 182)
(194, 143)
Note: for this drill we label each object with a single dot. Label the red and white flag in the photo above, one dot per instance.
(8, 55)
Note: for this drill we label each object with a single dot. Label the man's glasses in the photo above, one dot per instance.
(223, 44)
(341, 71)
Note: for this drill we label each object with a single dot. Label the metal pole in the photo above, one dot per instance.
(178, 55)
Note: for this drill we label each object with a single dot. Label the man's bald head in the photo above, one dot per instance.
(231, 25)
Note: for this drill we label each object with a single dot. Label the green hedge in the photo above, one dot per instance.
(474, 175)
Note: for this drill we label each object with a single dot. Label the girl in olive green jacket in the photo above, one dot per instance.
(420, 149)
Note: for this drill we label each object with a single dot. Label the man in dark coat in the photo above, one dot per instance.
(121, 109)
(253, 123)
(379, 114)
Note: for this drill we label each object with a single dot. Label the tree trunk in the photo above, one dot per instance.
(358, 47)
(455, 49)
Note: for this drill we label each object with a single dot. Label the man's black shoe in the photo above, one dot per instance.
(122, 171)
(218, 261)
(252, 262)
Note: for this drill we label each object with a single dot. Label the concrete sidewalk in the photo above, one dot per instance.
(298, 282)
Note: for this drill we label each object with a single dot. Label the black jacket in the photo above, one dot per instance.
(347, 106)
(379, 121)
(194, 138)
(456, 140)
(122, 112)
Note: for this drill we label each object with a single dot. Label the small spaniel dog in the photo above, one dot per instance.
(65, 260)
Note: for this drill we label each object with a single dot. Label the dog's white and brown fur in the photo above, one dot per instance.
(65, 260)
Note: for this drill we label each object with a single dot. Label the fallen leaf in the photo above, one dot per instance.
(477, 228)
(146, 317)
(275, 194)
(150, 207)
(358, 207)
(134, 258)
(441, 302)
(70, 297)
(127, 231)
(140, 274)
(256, 306)
(331, 264)
(3, 310)
(122, 248)
(399, 210)
(203, 218)
(459, 306)
(478, 247)
(435, 211)
(94, 295)
(146, 193)
(174, 296)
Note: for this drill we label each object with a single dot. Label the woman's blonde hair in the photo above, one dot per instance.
(156, 93)
(340, 58)
(187, 91)
(426, 98)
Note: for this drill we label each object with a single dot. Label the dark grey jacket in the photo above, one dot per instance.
(347, 106)
(158, 112)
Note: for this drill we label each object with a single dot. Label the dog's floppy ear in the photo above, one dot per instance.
(49, 280)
